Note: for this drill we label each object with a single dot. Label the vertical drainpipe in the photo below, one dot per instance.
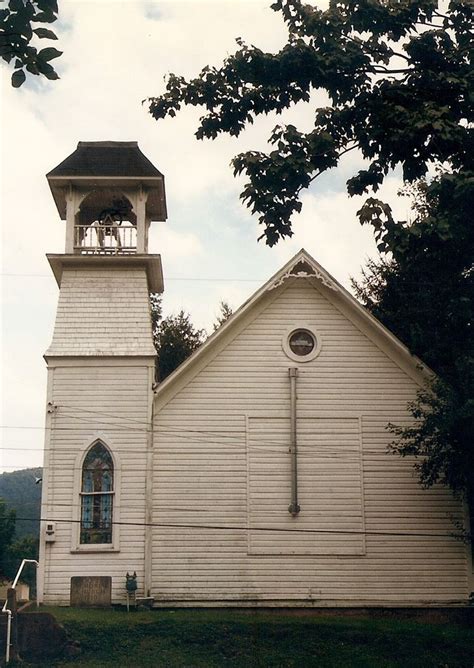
(148, 556)
(293, 508)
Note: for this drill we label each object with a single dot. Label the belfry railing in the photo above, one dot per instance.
(105, 239)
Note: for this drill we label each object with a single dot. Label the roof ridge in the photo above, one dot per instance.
(107, 144)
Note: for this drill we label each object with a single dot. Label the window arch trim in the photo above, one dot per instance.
(76, 546)
(97, 496)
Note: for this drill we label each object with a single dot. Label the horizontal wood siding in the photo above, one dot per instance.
(330, 494)
(110, 403)
(215, 477)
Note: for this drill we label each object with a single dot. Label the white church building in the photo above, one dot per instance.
(257, 473)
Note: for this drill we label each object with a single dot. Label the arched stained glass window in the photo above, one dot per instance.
(97, 492)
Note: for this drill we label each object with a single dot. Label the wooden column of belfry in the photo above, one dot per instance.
(101, 368)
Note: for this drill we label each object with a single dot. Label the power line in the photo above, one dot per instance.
(220, 527)
(195, 437)
(213, 279)
(146, 425)
(169, 278)
(201, 436)
(133, 506)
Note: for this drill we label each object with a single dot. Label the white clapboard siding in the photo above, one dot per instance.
(331, 519)
(215, 478)
(111, 402)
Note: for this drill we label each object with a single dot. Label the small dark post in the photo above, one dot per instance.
(11, 605)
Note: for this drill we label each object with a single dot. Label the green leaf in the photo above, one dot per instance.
(49, 54)
(47, 70)
(18, 78)
(31, 67)
(45, 17)
(44, 33)
(16, 5)
(52, 76)
(48, 5)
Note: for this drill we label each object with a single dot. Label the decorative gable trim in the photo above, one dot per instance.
(301, 269)
(302, 265)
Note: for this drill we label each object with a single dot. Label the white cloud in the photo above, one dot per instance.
(178, 245)
(115, 55)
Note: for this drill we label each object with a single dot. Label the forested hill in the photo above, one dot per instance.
(20, 491)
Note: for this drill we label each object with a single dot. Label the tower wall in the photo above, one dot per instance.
(103, 311)
(100, 376)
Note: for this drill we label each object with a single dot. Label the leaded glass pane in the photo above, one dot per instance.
(97, 496)
(97, 471)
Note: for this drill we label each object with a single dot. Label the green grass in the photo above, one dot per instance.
(216, 638)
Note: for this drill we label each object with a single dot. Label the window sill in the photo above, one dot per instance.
(86, 549)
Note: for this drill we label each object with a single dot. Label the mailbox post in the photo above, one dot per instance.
(131, 587)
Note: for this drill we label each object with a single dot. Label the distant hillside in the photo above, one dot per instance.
(21, 493)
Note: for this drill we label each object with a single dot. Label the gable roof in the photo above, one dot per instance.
(301, 266)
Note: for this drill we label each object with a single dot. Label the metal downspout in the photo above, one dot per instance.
(293, 508)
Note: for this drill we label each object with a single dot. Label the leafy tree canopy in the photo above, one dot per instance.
(20, 22)
(22, 548)
(399, 77)
(422, 288)
(7, 532)
(20, 507)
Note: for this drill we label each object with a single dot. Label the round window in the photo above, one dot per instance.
(301, 342)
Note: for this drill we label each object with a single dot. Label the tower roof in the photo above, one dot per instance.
(109, 164)
(106, 158)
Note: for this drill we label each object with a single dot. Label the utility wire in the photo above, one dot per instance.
(201, 436)
(169, 278)
(126, 506)
(210, 438)
(420, 283)
(220, 527)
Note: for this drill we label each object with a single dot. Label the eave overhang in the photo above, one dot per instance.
(151, 263)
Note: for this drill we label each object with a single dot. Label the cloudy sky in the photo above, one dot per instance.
(116, 53)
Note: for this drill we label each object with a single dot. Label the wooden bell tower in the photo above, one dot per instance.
(101, 370)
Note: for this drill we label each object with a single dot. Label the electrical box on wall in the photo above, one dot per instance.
(50, 532)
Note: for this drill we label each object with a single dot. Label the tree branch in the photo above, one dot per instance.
(385, 70)
(318, 173)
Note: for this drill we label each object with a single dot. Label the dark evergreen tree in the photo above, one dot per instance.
(223, 316)
(422, 288)
(175, 338)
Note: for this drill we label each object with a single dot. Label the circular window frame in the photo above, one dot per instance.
(294, 356)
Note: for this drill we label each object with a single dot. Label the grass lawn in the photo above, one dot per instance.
(215, 638)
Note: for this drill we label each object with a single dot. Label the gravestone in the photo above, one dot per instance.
(93, 591)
